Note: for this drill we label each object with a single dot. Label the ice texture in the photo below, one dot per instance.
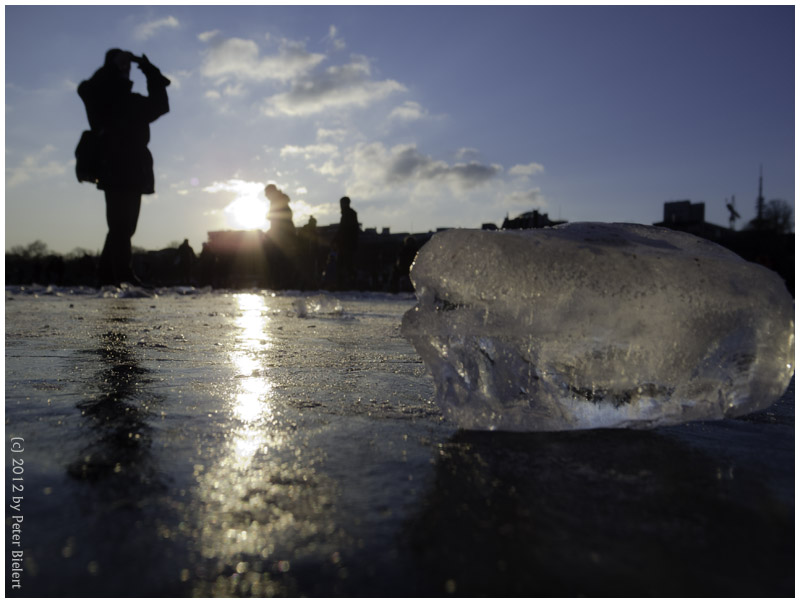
(591, 325)
(317, 305)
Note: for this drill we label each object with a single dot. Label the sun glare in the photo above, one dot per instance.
(247, 213)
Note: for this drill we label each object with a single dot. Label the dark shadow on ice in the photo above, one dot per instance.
(117, 418)
(596, 513)
(117, 533)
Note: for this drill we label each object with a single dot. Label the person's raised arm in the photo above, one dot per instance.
(158, 103)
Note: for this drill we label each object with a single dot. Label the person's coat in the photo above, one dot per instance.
(121, 119)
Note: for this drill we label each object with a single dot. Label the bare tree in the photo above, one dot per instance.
(778, 216)
(37, 249)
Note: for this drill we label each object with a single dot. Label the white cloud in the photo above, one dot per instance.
(207, 36)
(310, 151)
(36, 166)
(337, 87)
(336, 42)
(523, 200)
(237, 186)
(302, 211)
(408, 111)
(233, 90)
(526, 170)
(239, 58)
(467, 153)
(174, 81)
(336, 134)
(330, 169)
(148, 30)
(368, 165)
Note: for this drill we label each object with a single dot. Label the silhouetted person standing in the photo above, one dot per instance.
(346, 243)
(186, 261)
(280, 213)
(307, 254)
(121, 121)
(281, 240)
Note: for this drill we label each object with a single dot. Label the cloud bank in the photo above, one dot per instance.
(338, 86)
(35, 166)
(353, 149)
(238, 58)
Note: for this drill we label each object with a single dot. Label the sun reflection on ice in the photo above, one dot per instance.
(261, 497)
(251, 404)
(242, 466)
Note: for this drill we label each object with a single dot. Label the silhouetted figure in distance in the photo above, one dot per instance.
(307, 254)
(186, 261)
(346, 244)
(121, 120)
(207, 267)
(281, 241)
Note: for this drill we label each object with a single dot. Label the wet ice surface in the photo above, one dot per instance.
(211, 443)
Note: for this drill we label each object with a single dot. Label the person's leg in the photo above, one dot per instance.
(107, 258)
(122, 215)
(105, 267)
(132, 204)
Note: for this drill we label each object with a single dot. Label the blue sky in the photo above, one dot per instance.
(425, 116)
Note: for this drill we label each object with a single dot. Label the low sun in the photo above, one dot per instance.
(247, 213)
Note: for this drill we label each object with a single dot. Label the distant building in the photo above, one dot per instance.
(774, 250)
(235, 241)
(691, 217)
(684, 212)
(531, 219)
(239, 257)
(236, 257)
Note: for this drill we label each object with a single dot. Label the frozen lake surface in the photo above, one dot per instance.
(199, 443)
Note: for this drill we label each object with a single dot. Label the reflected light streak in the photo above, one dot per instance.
(251, 404)
(255, 495)
(224, 486)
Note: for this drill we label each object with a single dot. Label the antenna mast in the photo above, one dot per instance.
(734, 215)
(760, 200)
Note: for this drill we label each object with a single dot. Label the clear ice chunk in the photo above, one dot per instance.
(591, 325)
(317, 305)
